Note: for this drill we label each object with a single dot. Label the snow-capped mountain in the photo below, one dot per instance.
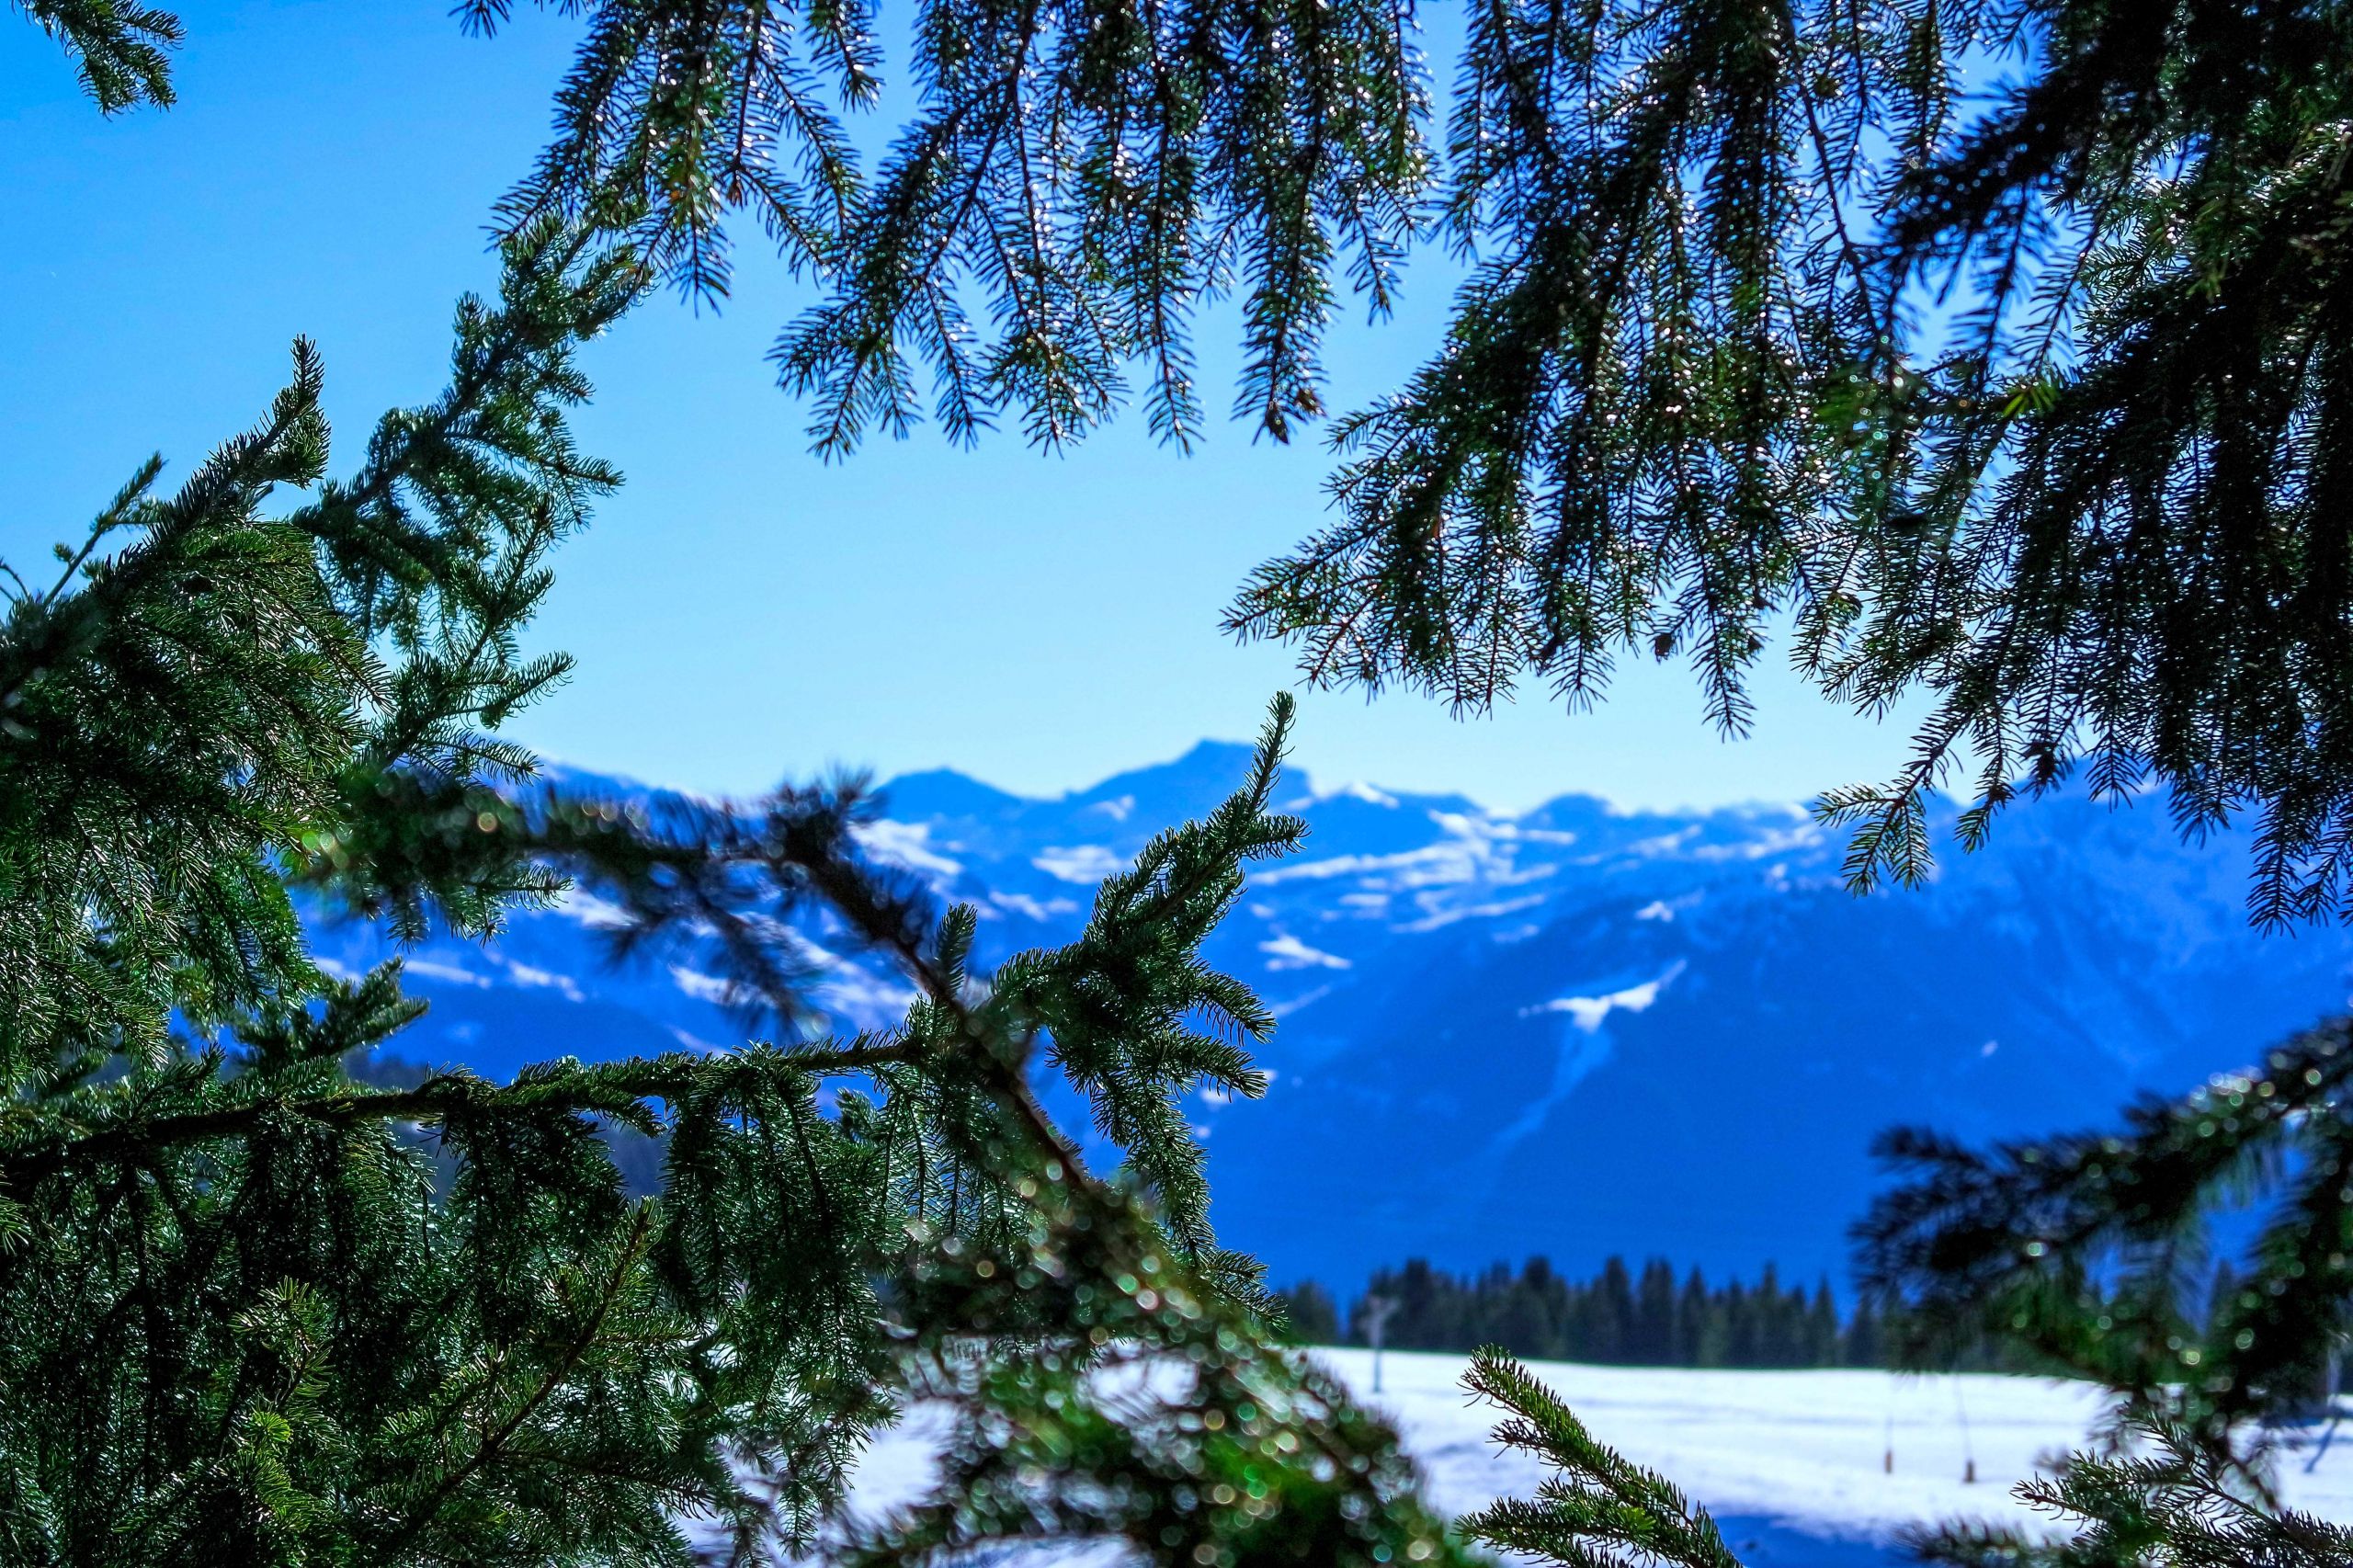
(1576, 1031)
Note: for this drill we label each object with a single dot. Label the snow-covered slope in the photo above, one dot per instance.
(1792, 1464)
(1576, 1031)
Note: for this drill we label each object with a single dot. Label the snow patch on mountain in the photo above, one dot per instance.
(454, 973)
(1587, 1012)
(1284, 951)
(700, 986)
(1085, 864)
(906, 845)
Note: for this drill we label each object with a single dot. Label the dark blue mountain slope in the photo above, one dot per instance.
(1576, 1031)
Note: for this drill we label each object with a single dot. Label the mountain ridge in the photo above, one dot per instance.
(1574, 1030)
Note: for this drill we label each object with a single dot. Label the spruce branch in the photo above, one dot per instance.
(120, 49)
(1599, 1510)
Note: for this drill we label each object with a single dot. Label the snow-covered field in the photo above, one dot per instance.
(1793, 1464)
(1805, 1451)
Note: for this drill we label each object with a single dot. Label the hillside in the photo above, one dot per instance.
(1574, 1031)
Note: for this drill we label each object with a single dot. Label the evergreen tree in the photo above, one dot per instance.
(1687, 389)
(1654, 1338)
(1691, 1316)
(1611, 1319)
(1547, 1298)
(1309, 1312)
(1701, 377)
(1772, 1311)
(1526, 1320)
(1743, 1344)
(2075, 1250)
(1611, 1335)
(1600, 1511)
(1820, 1341)
(1861, 1346)
(2172, 1506)
(257, 1309)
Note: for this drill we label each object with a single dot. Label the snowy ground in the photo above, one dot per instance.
(1791, 1463)
(1786, 1451)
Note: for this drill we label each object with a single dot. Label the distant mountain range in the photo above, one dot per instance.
(1576, 1031)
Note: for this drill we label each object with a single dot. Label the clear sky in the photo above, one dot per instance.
(739, 611)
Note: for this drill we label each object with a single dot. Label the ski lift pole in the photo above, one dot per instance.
(1968, 1446)
(2328, 1433)
(1378, 1311)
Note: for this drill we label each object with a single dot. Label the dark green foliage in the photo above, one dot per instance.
(1213, 1445)
(1702, 378)
(2094, 1254)
(207, 693)
(1598, 1510)
(1706, 376)
(2168, 1503)
(1310, 1314)
(119, 47)
(2157, 1496)
(2094, 1249)
(269, 1322)
(2027, 403)
(1129, 1016)
(1710, 372)
(1035, 1295)
(244, 1328)
(1082, 172)
(1613, 1320)
(675, 116)
(261, 1302)
(2028, 1227)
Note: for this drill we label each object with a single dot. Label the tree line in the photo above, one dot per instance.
(1621, 1318)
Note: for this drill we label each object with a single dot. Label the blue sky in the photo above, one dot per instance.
(739, 611)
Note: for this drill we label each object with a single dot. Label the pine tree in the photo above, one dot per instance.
(1523, 1316)
(1654, 1326)
(255, 1308)
(1310, 1313)
(1860, 1345)
(2077, 1252)
(1686, 391)
(1705, 373)
(1743, 1344)
(1822, 1327)
(1691, 1318)
(1601, 1511)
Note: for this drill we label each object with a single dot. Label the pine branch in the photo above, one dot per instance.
(615, 1089)
(121, 49)
(1600, 1510)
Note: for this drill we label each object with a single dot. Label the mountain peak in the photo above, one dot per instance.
(944, 792)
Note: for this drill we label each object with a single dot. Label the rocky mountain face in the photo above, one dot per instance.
(1572, 1032)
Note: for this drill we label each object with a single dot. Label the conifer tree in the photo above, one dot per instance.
(1822, 1328)
(1707, 371)
(1691, 1315)
(2083, 1250)
(253, 1309)
(1655, 1316)
(1310, 1313)
(1688, 389)
(1861, 1346)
